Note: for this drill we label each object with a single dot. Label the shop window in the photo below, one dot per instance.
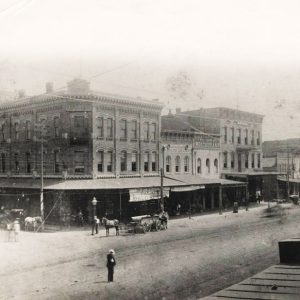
(177, 164)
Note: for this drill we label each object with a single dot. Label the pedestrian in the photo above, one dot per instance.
(95, 225)
(111, 262)
(9, 228)
(16, 228)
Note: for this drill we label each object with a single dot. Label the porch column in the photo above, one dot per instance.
(246, 195)
(294, 188)
(212, 198)
(220, 200)
(277, 189)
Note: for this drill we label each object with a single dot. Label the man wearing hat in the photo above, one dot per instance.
(111, 262)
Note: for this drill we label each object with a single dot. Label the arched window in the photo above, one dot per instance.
(123, 161)
(146, 161)
(207, 166)
(199, 171)
(100, 126)
(134, 160)
(168, 164)
(186, 164)
(216, 166)
(177, 164)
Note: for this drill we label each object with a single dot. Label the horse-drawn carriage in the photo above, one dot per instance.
(146, 223)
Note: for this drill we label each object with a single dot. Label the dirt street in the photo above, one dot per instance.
(193, 258)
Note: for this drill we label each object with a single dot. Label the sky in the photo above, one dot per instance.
(234, 53)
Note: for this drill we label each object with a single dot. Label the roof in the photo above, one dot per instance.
(196, 180)
(113, 183)
(249, 173)
(276, 282)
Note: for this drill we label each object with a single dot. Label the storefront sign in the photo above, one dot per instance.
(187, 188)
(137, 195)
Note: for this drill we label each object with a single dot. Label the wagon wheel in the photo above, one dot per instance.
(145, 227)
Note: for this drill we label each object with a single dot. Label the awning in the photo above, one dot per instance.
(187, 188)
(145, 194)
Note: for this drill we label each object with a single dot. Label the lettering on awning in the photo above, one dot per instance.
(187, 188)
(137, 195)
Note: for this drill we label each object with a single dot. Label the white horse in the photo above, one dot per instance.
(32, 222)
(110, 224)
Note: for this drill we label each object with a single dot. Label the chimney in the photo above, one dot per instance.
(178, 110)
(49, 87)
(21, 94)
(78, 86)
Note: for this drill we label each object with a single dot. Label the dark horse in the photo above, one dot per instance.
(110, 224)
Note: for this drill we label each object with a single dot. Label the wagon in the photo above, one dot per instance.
(142, 224)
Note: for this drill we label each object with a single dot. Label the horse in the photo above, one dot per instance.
(33, 222)
(110, 224)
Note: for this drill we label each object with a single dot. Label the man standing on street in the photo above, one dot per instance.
(95, 225)
(111, 262)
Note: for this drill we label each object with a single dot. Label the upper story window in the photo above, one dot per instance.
(216, 166)
(16, 133)
(100, 159)
(134, 129)
(123, 161)
(3, 163)
(2, 132)
(28, 162)
(199, 169)
(79, 122)
(258, 160)
(123, 129)
(239, 138)
(109, 127)
(56, 126)
(153, 161)
(207, 166)
(252, 137)
(146, 131)
(232, 135)
(56, 162)
(186, 164)
(134, 160)
(232, 160)
(100, 127)
(17, 164)
(168, 164)
(246, 136)
(177, 164)
(225, 160)
(246, 160)
(153, 132)
(79, 160)
(109, 161)
(146, 162)
(225, 134)
(252, 161)
(258, 138)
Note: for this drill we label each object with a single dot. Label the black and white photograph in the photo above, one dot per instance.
(149, 149)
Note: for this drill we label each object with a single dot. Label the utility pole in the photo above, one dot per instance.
(288, 175)
(42, 182)
(162, 189)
